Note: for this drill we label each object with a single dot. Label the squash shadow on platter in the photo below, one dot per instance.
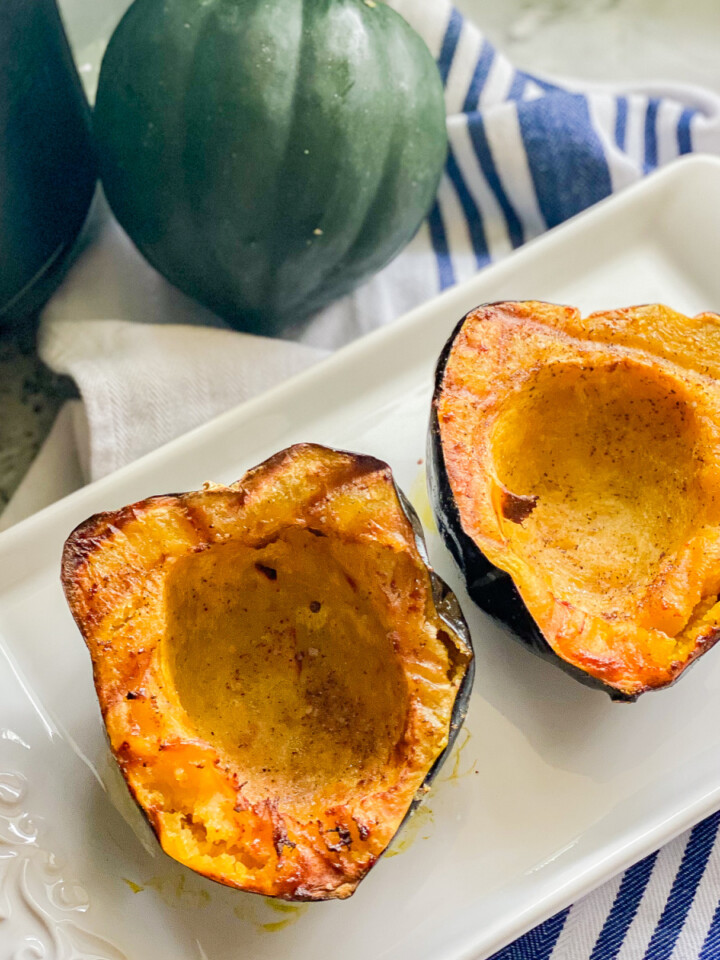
(579, 455)
(571, 726)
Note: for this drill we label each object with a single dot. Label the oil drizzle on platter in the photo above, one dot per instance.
(419, 826)
(292, 911)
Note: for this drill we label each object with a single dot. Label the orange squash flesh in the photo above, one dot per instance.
(275, 677)
(583, 456)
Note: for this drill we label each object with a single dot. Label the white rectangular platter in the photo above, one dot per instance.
(553, 788)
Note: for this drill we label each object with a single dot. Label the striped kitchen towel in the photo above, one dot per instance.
(666, 907)
(525, 154)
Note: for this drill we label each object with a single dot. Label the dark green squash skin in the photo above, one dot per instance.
(492, 589)
(47, 163)
(268, 157)
(448, 609)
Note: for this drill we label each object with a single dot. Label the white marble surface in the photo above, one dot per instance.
(618, 40)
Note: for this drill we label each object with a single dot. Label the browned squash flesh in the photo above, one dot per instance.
(584, 458)
(275, 679)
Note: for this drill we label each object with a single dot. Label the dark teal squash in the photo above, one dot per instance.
(266, 157)
(47, 166)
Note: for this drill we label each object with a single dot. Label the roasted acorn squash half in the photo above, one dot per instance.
(575, 475)
(279, 670)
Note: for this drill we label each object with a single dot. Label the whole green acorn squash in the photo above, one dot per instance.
(266, 156)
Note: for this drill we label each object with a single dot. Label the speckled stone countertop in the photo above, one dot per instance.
(30, 397)
(615, 40)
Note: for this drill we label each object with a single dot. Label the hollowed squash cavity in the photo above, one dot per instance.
(282, 661)
(608, 456)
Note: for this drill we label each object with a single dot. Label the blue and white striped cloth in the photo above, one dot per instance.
(525, 154)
